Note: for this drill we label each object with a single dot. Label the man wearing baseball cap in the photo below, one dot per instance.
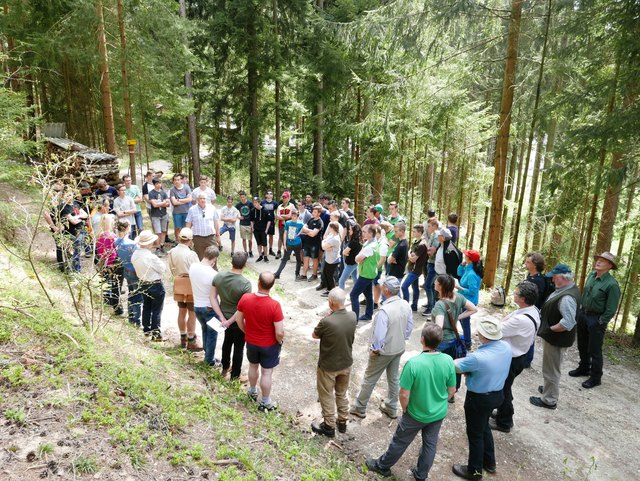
(558, 332)
(486, 371)
(283, 214)
(392, 327)
(598, 305)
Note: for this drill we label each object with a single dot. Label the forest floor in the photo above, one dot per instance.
(578, 441)
(593, 435)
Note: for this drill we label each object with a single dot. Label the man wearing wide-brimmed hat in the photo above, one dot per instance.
(598, 305)
(150, 269)
(486, 371)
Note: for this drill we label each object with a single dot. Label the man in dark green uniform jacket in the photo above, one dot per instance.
(599, 303)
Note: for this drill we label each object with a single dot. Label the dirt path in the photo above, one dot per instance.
(544, 445)
(580, 440)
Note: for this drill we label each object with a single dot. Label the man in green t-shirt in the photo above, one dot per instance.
(231, 286)
(427, 382)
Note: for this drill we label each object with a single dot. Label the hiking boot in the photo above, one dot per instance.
(320, 287)
(183, 341)
(579, 372)
(323, 429)
(156, 337)
(301, 278)
(356, 412)
(272, 406)
(496, 427)
(314, 277)
(252, 395)
(192, 345)
(392, 413)
(342, 426)
(372, 465)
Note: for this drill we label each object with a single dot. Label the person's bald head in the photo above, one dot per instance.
(266, 281)
(337, 298)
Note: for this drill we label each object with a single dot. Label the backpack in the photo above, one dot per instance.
(498, 297)
(548, 288)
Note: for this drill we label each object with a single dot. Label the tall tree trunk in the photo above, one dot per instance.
(516, 229)
(632, 284)
(277, 109)
(399, 179)
(252, 101)
(440, 210)
(485, 221)
(192, 125)
(534, 190)
(357, 207)
(318, 148)
(125, 87)
(105, 84)
(502, 146)
(625, 225)
(598, 182)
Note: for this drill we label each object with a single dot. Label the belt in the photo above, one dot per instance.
(484, 393)
(591, 313)
(150, 283)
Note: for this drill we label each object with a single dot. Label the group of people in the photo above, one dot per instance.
(386, 268)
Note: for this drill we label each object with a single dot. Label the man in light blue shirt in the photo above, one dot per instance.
(392, 327)
(486, 370)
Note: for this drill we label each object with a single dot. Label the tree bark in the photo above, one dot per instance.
(192, 125)
(502, 145)
(625, 225)
(252, 101)
(441, 180)
(125, 88)
(534, 191)
(632, 285)
(105, 84)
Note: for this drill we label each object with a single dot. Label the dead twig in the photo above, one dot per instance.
(226, 462)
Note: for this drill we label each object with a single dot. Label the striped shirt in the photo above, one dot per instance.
(203, 221)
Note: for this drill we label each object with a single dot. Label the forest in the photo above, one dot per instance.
(520, 116)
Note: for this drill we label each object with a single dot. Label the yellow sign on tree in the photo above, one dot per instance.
(132, 142)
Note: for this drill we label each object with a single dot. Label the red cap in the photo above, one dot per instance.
(473, 255)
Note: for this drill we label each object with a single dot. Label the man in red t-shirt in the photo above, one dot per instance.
(261, 319)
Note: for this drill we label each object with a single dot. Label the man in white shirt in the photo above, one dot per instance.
(201, 275)
(125, 208)
(150, 269)
(204, 188)
(229, 216)
(203, 219)
(519, 331)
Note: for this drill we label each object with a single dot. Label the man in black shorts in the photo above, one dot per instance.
(270, 206)
(261, 319)
(311, 242)
(261, 222)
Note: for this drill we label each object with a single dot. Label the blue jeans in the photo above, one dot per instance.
(136, 227)
(152, 304)
(134, 298)
(209, 336)
(411, 280)
(466, 330)
(429, 279)
(348, 271)
(449, 348)
(404, 436)
(362, 285)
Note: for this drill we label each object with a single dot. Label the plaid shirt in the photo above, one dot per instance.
(203, 221)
